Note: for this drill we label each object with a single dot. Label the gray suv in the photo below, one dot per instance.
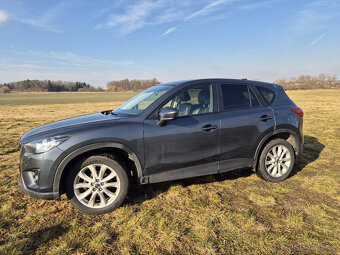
(171, 131)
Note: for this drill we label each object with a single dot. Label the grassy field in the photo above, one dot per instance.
(62, 98)
(234, 212)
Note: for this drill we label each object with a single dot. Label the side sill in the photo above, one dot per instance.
(232, 164)
(183, 173)
(195, 171)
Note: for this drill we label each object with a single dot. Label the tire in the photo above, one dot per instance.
(273, 166)
(101, 194)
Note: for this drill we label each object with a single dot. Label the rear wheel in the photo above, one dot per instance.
(97, 185)
(276, 161)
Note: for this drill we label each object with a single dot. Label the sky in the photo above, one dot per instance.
(104, 40)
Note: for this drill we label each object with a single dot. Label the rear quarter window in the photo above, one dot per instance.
(267, 94)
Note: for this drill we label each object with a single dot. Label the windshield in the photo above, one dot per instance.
(140, 102)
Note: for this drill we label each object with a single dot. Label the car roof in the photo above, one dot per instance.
(219, 80)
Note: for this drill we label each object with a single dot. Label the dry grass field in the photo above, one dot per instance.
(235, 212)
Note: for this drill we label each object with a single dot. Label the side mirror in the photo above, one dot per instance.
(166, 114)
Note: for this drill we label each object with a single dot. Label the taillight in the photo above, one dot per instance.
(297, 110)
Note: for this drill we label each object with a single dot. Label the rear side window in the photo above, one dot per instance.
(238, 97)
(253, 100)
(267, 94)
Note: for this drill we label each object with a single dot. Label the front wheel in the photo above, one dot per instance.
(97, 185)
(276, 161)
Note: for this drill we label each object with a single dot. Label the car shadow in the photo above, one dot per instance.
(40, 237)
(139, 194)
(311, 152)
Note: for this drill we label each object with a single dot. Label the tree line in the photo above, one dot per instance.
(45, 86)
(130, 85)
(321, 81)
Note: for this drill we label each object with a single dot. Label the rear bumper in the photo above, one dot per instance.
(300, 150)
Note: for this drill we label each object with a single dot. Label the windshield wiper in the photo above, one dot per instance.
(107, 112)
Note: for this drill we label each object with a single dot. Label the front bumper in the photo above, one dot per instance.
(44, 164)
(41, 195)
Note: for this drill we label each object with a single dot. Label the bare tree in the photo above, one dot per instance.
(321, 81)
(4, 89)
(130, 85)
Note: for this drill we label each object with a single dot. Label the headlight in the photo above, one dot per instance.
(46, 144)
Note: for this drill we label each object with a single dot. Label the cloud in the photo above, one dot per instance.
(144, 13)
(3, 17)
(207, 9)
(316, 40)
(64, 65)
(71, 59)
(170, 30)
(315, 16)
(63, 60)
(253, 6)
(137, 16)
(43, 18)
(42, 24)
(203, 11)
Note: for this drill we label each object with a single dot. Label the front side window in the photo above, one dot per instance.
(193, 101)
(140, 102)
(238, 97)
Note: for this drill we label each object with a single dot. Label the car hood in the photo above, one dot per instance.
(63, 126)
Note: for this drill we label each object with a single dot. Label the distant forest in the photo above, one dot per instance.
(322, 81)
(47, 86)
(60, 86)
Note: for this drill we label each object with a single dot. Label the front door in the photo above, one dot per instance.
(188, 145)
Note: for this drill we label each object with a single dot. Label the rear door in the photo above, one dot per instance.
(243, 122)
(188, 143)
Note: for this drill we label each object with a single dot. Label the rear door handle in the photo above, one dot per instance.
(208, 128)
(264, 118)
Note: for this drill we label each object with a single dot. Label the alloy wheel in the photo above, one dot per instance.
(96, 186)
(278, 160)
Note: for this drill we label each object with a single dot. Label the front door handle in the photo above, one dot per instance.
(264, 118)
(208, 128)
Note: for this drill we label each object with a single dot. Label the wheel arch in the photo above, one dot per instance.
(288, 134)
(103, 148)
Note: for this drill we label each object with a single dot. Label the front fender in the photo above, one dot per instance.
(84, 149)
